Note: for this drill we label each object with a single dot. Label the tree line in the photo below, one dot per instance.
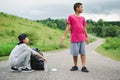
(100, 28)
(104, 28)
(54, 23)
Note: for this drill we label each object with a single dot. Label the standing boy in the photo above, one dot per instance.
(77, 25)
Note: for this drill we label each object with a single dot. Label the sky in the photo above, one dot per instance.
(108, 10)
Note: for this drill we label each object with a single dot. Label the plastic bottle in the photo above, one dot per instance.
(45, 67)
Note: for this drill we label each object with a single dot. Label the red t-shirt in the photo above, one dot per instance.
(78, 24)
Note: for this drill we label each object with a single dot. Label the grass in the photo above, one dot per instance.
(111, 48)
(40, 36)
(92, 39)
(108, 53)
(4, 58)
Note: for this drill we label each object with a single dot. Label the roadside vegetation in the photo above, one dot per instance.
(111, 32)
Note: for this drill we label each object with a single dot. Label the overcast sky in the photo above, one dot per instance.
(41, 9)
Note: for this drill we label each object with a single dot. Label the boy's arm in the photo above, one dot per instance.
(86, 34)
(41, 57)
(65, 33)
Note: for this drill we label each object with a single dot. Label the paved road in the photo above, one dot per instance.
(101, 68)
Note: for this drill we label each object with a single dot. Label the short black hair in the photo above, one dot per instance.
(77, 5)
(21, 37)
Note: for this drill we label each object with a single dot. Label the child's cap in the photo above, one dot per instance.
(21, 37)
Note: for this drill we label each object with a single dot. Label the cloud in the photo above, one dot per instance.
(100, 7)
(56, 10)
(105, 17)
(41, 9)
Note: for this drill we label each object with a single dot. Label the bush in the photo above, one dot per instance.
(110, 48)
(104, 29)
(6, 48)
(111, 43)
(112, 31)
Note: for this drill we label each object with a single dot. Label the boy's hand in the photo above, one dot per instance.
(62, 39)
(87, 41)
(40, 56)
(44, 59)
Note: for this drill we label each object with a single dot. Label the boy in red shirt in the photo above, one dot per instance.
(77, 25)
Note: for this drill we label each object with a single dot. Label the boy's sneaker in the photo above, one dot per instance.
(14, 69)
(74, 68)
(27, 70)
(84, 69)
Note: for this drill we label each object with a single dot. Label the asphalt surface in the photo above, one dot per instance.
(60, 62)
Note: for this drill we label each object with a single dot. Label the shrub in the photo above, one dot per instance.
(6, 48)
(112, 43)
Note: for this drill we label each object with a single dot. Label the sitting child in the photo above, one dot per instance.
(20, 56)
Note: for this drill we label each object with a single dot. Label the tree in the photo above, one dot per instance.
(100, 22)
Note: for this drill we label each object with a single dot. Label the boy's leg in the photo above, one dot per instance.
(23, 59)
(83, 57)
(82, 53)
(74, 51)
(75, 60)
(83, 60)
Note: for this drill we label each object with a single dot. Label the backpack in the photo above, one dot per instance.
(36, 63)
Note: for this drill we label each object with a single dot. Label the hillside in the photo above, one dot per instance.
(41, 36)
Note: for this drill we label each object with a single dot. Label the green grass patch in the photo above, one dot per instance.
(111, 48)
(92, 39)
(4, 58)
(6, 48)
(40, 36)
